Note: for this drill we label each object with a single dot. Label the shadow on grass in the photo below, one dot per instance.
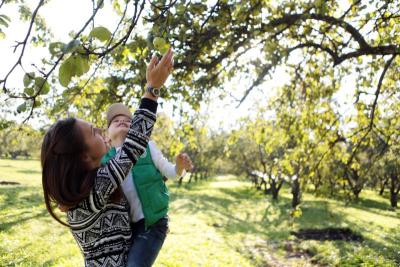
(380, 205)
(375, 206)
(220, 210)
(319, 214)
(21, 218)
(29, 171)
(17, 197)
(389, 247)
(19, 201)
(6, 166)
(227, 218)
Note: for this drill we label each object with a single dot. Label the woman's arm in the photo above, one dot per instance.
(110, 176)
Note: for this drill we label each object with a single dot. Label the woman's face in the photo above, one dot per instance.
(95, 142)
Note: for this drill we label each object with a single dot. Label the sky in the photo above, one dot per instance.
(65, 16)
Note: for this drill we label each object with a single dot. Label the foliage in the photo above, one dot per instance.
(19, 140)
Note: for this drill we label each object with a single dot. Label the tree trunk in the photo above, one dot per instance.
(14, 155)
(266, 191)
(356, 193)
(255, 181)
(382, 190)
(263, 183)
(180, 181)
(393, 199)
(275, 193)
(355, 186)
(332, 186)
(383, 186)
(394, 190)
(296, 200)
(275, 187)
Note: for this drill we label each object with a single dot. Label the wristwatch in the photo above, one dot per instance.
(154, 91)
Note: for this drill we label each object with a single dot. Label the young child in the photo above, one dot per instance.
(144, 189)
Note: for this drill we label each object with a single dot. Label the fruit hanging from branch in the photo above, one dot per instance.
(161, 45)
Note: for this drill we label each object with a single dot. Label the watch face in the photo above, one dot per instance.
(153, 91)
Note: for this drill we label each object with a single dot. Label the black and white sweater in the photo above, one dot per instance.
(101, 228)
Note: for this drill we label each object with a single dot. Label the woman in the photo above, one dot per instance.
(73, 177)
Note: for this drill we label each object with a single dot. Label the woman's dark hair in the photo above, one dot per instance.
(66, 181)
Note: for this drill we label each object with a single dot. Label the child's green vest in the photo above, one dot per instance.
(152, 191)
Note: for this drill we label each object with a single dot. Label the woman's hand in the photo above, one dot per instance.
(158, 71)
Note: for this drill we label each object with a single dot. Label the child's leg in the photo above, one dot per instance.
(147, 243)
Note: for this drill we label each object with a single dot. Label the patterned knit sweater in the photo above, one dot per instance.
(101, 228)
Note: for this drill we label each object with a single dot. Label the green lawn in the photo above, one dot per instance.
(221, 222)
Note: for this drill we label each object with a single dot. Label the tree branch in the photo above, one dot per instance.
(292, 18)
(124, 39)
(334, 55)
(2, 3)
(257, 82)
(23, 43)
(364, 47)
(372, 113)
(378, 90)
(209, 16)
(377, 50)
(60, 58)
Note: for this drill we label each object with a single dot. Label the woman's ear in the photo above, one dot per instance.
(87, 160)
(85, 156)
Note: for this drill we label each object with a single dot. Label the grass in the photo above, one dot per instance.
(28, 235)
(221, 222)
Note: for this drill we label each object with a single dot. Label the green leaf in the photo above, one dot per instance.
(180, 8)
(42, 85)
(57, 48)
(3, 22)
(28, 78)
(29, 91)
(81, 50)
(65, 72)
(4, 17)
(2, 35)
(21, 108)
(80, 64)
(117, 7)
(37, 103)
(71, 46)
(100, 33)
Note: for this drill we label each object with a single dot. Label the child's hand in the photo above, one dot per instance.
(183, 162)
